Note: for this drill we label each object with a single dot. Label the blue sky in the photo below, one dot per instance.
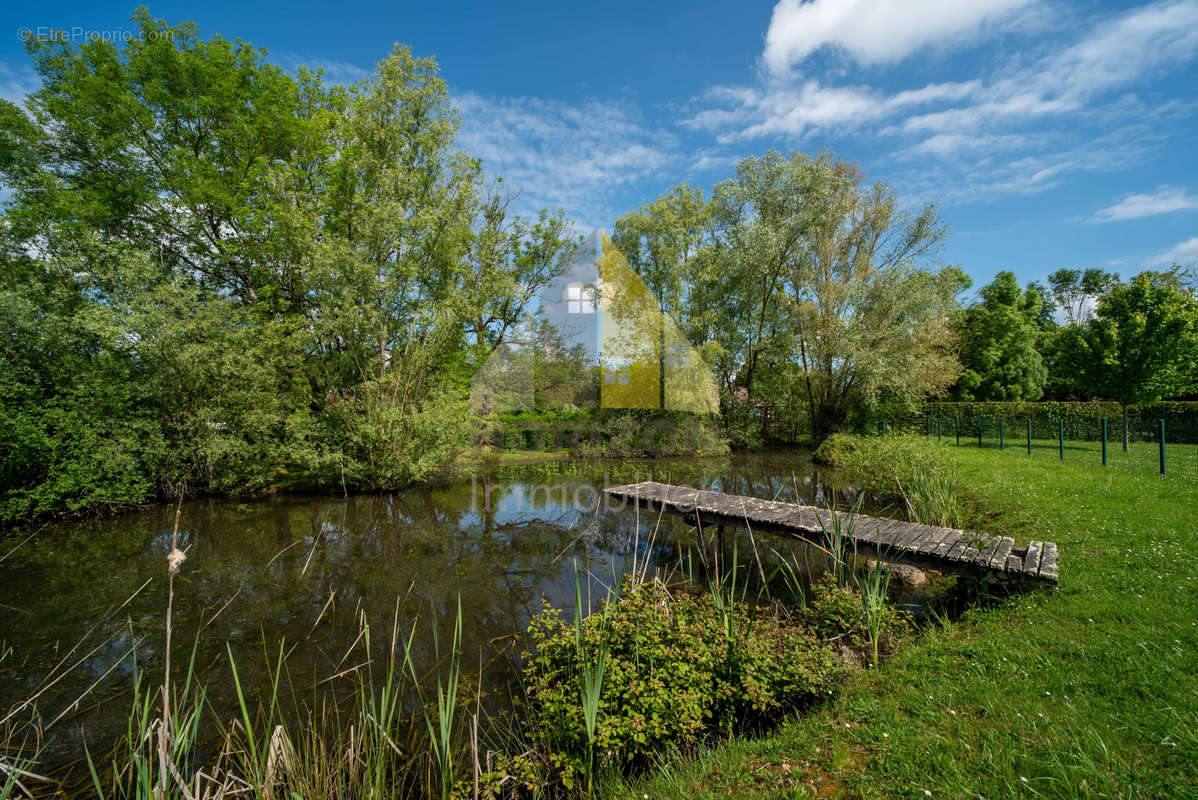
(1051, 134)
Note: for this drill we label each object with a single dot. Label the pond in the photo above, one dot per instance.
(87, 600)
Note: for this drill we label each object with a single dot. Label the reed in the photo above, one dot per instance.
(441, 713)
(838, 533)
(872, 584)
(591, 668)
(933, 496)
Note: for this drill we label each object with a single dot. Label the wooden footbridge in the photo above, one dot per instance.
(924, 546)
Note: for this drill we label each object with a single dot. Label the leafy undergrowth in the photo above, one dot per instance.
(1084, 691)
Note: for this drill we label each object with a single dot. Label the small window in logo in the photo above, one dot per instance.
(617, 372)
(580, 299)
(677, 355)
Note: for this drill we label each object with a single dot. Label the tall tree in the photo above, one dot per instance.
(998, 339)
(1141, 345)
(1075, 291)
(871, 319)
(245, 275)
(665, 242)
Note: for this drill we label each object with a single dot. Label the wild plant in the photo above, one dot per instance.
(933, 496)
(838, 534)
(591, 669)
(439, 721)
(872, 584)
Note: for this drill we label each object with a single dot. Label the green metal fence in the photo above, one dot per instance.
(1169, 447)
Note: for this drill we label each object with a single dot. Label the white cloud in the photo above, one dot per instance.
(872, 31)
(1181, 253)
(949, 145)
(17, 82)
(1164, 200)
(782, 109)
(335, 72)
(558, 155)
(1068, 99)
(1119, 52)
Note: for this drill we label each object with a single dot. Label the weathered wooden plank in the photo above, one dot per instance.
(973, 546)
(959, 547)
(1048, 562)
(1002, 552)
(927, 546)
(918, 535)
(987, 551)
(1031, 561)
(893, 539)
(881, 533)
(911, 533)
(947, 543)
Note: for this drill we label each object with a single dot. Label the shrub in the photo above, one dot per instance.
(881, 460)
(384, 445)
(845, 616)
(671, 675)
(909, 469)
(610, 433)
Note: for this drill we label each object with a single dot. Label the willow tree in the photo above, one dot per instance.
(664, 242)
(251, 276)
(871, 318)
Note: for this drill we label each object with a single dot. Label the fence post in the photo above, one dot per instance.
(957, 428)
(1162, 422)
(1029, 436)
(979, 430)
(939, 427)
(1002, 443)
(885, 427)
(1061, 437)
(1104, 441)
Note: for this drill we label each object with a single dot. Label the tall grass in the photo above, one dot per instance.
(872, 584)
(441, 713)
(838, 534)
(591, 668)
(933, 496)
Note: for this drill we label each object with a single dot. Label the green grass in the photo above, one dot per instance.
(1180, 459)
(1085, 691)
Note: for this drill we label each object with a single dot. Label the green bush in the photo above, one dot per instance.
(908, 469)
(609, 433)
(837, 613)
(672, 675)
(882, 462)
(385, 446)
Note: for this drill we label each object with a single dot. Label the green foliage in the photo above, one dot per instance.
(881, 460)
(222, 277)
(609, 433)
(381, 445)
(671, 675)
(805, 289)
(998, 340)
(1075, 414)
(910, 469)
(1141, 345)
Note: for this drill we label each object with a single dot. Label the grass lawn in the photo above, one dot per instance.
(1086, 691)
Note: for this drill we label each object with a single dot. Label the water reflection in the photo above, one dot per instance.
(300, 574)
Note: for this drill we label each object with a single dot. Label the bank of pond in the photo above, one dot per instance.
(514, 633)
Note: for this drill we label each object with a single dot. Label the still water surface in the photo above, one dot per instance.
(302, 573)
